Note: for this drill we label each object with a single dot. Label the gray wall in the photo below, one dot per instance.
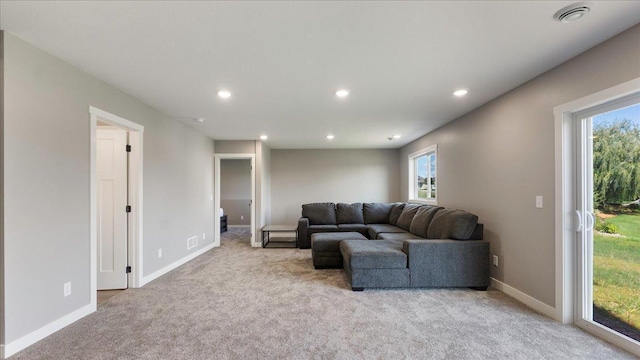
(46, 189)
(235, 190)
(2, 267)
(496, 159)
(235, 146)
(306, 176)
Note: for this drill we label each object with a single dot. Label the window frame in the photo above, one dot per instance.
(413, 175)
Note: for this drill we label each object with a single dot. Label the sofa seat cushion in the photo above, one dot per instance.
(320, 213)
(312, 229)
(452, 224)
(372, 255)
(330, 241)
(359, 228)
(375, 229)
(398, 236)
(376, 213)
(349, 213)
(422, 219)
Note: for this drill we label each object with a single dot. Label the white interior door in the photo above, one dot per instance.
(111, 171)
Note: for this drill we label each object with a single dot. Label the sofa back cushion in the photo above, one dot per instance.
(422, 219)
(376, 213)
(320, 213)
(396, 210)
(406, 216)
(349, 213)
(452, 224)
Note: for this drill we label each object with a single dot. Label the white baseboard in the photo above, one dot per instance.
(149, 278)
(30, 339)
(531, 302)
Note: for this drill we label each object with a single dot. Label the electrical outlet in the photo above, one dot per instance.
(495, 260)
(159, 253)
(203, 236)
(192, 242)
(67, 289)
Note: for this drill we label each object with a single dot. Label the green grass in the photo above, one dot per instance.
(616, 270)
(422, 194)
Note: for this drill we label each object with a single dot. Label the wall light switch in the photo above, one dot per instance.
(67, 289)
(203, 236)
(539, 202)
(495, 260)
(241, 217)
(159, 253)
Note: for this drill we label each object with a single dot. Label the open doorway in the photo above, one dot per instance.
(115, 203)
(234, 194)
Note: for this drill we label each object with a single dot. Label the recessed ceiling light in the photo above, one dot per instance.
(397, 136)
(342, 93)
(461, 92)
(330, 137)
(572, 13)
(200, 120)
(263, 137)
(224, 94)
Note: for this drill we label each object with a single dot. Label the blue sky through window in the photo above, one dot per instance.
(632, 113)
(422, 166)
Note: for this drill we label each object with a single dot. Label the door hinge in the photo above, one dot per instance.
(128, 208)
(128, 269)
(128, 148)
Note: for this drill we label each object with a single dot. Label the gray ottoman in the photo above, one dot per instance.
(325, 248)
(377, 264)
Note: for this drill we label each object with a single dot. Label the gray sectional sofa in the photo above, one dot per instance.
(415, 245)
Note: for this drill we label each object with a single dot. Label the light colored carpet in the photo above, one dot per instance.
(238, 302)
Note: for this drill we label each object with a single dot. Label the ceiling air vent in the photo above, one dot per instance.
(572, 12)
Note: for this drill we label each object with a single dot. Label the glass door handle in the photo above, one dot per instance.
(578, 221)
(591, 220)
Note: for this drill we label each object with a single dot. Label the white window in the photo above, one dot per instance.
(422, 175)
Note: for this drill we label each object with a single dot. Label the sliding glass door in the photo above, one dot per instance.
(607, 212)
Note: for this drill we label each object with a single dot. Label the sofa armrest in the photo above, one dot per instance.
(304, 242)
(448, 263)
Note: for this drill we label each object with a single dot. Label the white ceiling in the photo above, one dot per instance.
(284, 60)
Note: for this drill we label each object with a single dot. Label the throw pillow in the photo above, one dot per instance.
(320, 213)
(409, 211)
(376, 213)
(396, 210)
(349, 213)
(452, 224)
(422, 219)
